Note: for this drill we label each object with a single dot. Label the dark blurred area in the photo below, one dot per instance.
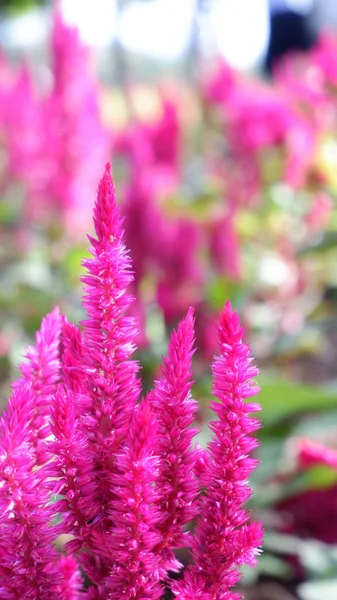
(289, 31)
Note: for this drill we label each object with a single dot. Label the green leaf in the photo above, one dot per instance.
(16, 6)
(222, 289)
(282, 399)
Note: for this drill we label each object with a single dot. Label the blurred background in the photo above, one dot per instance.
(220, 120)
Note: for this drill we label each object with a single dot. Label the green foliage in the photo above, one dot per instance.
(283, 399)
(14, 6)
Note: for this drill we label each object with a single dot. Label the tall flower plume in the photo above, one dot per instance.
(224, 538)
(29, 564)
(41, 371)
(110, 376)
(132, 546)
(176, 409)
(27, 555)
(72, 469)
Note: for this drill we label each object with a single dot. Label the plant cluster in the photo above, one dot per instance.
(82, 456)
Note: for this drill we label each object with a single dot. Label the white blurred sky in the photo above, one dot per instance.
(160, 28)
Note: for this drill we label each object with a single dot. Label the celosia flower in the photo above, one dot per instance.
(111, 377)
(72, 584)
(22, 122)
(28, 559)
(129, 479)
(135, 514)
(224, 539)
(145, 226)
(165, 136)
(73, 351)
(176, 410)
(164, 251)
(221, 84)
(108, 333)
(73, 470)
(42, 372)
(56, 141)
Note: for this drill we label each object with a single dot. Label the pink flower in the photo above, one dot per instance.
(110, 377)
(28, 559)
(123, 478)
(58, 145)
(176, 410)
(320, 212)
(135, 515)
(181, 275)
(165, 136)
(72, 471)
(310, 453)
(70, 588)
(225, 539)
(42, 372)
(218, 88)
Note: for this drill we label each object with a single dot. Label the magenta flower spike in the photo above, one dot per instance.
(72, 471)
(72, 583)
(109, 334)
(41, 371)
(72, 357)
(132, 544)
(224, 538)
(28, 559)
(111, 377)
(76, 142)
(176, 410)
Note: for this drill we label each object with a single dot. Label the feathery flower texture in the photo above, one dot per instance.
(120, 476)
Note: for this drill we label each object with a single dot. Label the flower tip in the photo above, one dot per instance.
(108, 171)
(106, 184)
(190, 315)
(106, 214)
(229, 322)
(228, 310)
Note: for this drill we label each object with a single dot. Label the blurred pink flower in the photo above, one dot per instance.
(320, 212)
(310, 453)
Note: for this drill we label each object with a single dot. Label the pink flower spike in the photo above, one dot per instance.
(224, 540)
(72, 471)
(109, 334)
(70, 588)
(135, 573)
(28, 559)
(110, 377)
(176, 410)
(79, 455)
(72, 359)
(42, 372)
